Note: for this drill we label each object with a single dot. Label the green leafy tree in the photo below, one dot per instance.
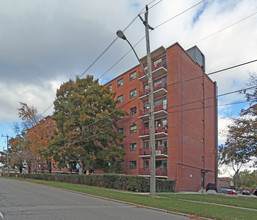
(86, 117)
(241, 144)
(248, 179)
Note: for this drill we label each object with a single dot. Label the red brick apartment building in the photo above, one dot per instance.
(185, 118)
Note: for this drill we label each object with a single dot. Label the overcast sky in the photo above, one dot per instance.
(44, 43)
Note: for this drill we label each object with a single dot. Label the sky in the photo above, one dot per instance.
(44, 43)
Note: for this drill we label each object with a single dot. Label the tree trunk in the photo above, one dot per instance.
(50, 166)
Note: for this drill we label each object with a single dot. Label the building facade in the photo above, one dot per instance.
(185, 118)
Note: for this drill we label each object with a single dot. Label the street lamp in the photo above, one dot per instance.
(121, 35)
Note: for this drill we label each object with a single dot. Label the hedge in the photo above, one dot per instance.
(114, 181)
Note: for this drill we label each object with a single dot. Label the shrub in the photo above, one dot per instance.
(113, 181)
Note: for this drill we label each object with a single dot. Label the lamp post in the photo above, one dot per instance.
(121, 35)
(7, 151)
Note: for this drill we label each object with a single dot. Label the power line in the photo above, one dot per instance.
(199, 100)
(105, 50)
(150, 32)
(224, 28)
(214, 72)
(233, 103)
(184, 110)
(211, 73)
(179, 14)
(168, 21)
(189, 102)
(164, 23)
(190, 109)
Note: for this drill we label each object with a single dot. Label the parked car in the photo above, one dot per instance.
(231, 192)
(255, 192)
(246, 192)
(211, 186)
(223, 191)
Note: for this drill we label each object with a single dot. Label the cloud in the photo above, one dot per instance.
(223, 123)
(44, 43)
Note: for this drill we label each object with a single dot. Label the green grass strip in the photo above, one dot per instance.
(168, 202)
(218, 199)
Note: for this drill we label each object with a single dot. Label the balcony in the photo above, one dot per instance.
(159, 152)
(159, 173)
(160, 131)
(160, 69)
(158, 90)
(158, 112)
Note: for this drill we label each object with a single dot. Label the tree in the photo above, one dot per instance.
(34, 137)
(248, 179)
(86, 117)
(241, 144)
(38, 138)
(29, 115)
(16, 152)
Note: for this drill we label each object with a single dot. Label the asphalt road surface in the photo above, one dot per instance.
(28, 201)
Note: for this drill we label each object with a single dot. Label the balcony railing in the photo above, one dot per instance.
(158, 151)
(158, 90)
(155, 73)
(160, 131)
(159, 172)
(157, 108)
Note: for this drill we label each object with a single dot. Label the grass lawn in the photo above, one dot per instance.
(218, 199)
(172, 202)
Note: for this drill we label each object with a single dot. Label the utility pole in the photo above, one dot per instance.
(151, 105)
(121, 35)
(7, 144)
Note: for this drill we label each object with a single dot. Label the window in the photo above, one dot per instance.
(133, 93)
(133, 111)
(110, 87)
(133, 76)
(133, 129)
(161, 164)
(133, 147)
(146, 86)
(121, 146)
(161, 143)
(132, 164)
(145, 164)
(146, 106)
(146, 145)
(120, 82)
(160, 122)
(162, 81)
(120, 99)
(121, 130)
(161, 101)
(202, 85)
(160, 62)
(146, 125)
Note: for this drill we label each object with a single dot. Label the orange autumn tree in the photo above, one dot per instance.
(38, 138)
(16, 152)
(37, 132)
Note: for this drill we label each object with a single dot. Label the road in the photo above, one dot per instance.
(27, 201)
